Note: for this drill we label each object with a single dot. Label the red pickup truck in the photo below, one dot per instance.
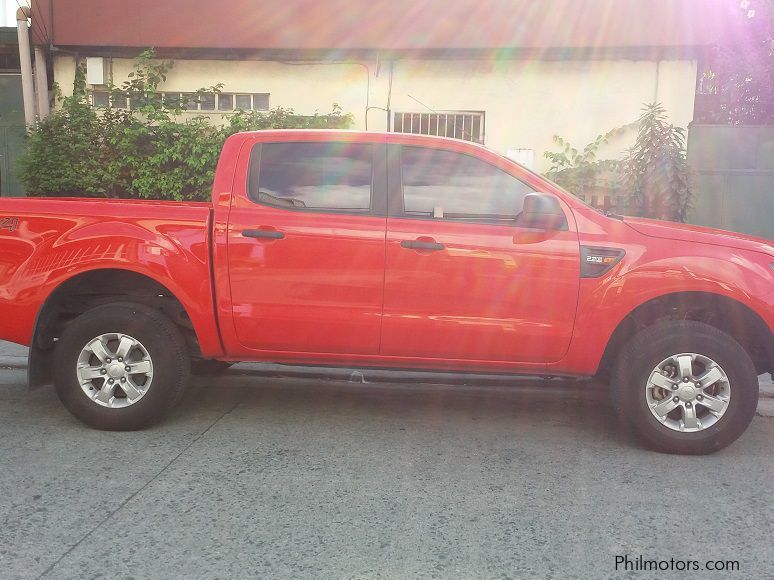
(391, 251)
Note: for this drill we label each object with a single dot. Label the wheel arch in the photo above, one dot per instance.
(724, 313)
(88, 289)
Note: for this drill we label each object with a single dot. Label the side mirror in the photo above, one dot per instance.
(541, 211)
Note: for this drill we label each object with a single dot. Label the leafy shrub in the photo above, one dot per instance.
(581, 172)
(147, 151)
(655, 170)
(63, 152)
(652, 180)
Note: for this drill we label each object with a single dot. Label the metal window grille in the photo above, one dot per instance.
(464, 125)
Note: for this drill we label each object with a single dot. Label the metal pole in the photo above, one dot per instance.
(28, 89)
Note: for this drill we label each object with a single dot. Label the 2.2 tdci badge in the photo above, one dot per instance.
(9, 223)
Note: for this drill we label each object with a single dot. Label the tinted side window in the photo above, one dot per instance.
(448, 185)
(313, 176)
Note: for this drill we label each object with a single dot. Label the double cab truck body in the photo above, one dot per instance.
(391, 251)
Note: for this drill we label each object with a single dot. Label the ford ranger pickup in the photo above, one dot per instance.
(391, 251)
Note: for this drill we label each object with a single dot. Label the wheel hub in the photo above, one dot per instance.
(688, 392)
(116, 370)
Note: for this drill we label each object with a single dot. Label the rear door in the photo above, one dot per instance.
(462, 280)
(306, 247)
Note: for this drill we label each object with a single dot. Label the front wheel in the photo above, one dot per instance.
(684, 387)
(120, 366)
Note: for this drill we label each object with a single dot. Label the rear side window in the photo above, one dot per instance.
(447, 185)
(331, 177)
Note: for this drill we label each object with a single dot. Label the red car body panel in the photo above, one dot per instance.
(59, 239)
(317, 287)
(484, 297)
(339, 289)
(655, 267)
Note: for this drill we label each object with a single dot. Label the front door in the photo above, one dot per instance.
(306, 248)
(462, 280)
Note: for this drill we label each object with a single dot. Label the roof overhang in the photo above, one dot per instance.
(440, 28)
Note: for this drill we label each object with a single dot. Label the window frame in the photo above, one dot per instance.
(378, 198)
(396, 189)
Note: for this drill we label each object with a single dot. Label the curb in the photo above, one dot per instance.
(765, 407)
(13, 362)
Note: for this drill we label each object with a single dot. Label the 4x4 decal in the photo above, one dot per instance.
(9, 223)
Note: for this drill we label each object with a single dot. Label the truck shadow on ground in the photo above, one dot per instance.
(539, 413)
(543, 410)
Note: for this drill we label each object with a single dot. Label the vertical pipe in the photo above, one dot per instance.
(28, 89)
(389, 98)
(41, 81)
(656, 87)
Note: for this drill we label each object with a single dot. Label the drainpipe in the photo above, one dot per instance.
(41, 82)
(28, 89)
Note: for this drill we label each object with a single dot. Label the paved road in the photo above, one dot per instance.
(301, 478)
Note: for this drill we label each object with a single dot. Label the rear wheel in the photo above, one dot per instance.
(684, 387)
(120, 366)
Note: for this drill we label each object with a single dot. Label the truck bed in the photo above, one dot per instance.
(46, 241)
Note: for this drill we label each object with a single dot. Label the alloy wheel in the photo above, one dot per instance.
(688, 392)
(115, 370)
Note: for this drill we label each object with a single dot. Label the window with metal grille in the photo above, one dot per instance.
(464, 125)
(207, 102)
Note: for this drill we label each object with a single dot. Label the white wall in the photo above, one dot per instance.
(526, 102)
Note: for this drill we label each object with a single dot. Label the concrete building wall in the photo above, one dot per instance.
(525, 102)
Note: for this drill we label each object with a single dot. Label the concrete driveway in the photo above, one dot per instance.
(303, 478)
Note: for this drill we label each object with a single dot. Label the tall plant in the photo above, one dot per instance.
(655, 169)
(653, 175)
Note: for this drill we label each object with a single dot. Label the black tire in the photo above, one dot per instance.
(655, 344)
(209, 367)
(164, 345)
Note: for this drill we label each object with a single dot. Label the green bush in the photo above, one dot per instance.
(581, 172)
(655, 170)
(652, 180)
(145, 152)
